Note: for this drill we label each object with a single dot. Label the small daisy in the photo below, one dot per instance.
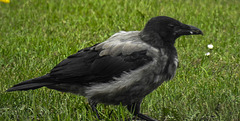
(210, 46)
(207, 54)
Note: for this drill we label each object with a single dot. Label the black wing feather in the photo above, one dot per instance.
(86, 66)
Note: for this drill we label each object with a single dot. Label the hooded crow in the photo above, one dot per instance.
(121, 70)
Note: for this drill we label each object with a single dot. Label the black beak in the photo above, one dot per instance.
(188, 30)
(194, 30)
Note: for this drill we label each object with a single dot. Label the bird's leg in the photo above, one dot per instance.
(93, 106)
(135, 109)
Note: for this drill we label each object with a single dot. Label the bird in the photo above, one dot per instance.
(121, 70)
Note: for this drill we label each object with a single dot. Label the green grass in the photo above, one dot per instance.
(35, 35)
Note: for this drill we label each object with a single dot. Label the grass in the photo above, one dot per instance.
(35, 35)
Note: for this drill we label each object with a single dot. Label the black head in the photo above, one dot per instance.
(170, 29)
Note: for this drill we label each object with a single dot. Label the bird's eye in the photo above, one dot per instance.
(171, 25)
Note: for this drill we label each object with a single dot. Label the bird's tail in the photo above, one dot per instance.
(32, 83)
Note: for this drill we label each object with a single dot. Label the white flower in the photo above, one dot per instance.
(210, 46)
(207, 54)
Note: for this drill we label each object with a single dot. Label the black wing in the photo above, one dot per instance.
(86, 66)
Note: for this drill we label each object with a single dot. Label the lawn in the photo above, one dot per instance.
(35, 35)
